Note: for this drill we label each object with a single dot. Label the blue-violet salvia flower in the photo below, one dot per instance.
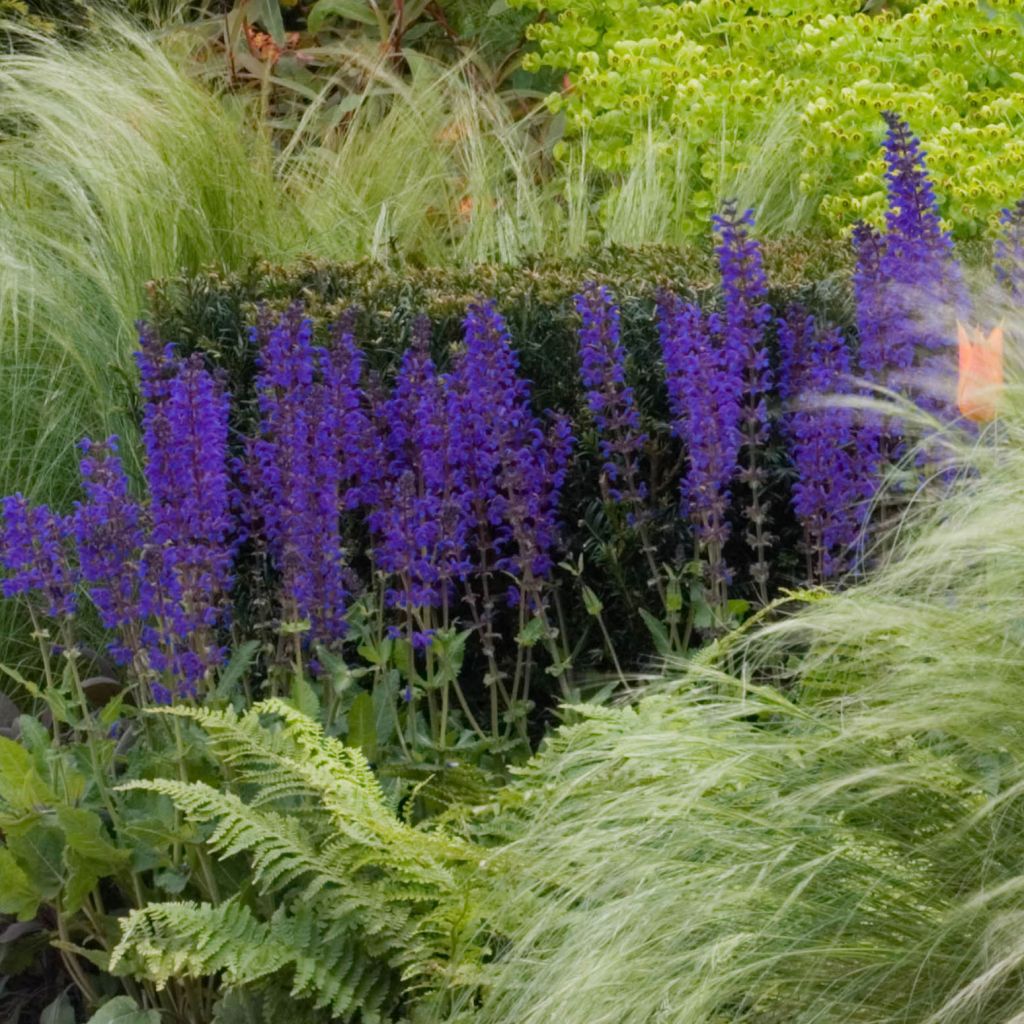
(33, 550)
(1009, 255)
(610, 399)
(298, 471)
(828, 493)
(922, 284)
(109, 534)
(420, 522)
(187, 566)
(742, 323)
(704, 388)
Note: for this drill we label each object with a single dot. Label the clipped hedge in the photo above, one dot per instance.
(212, 313)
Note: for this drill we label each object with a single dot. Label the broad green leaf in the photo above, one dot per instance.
(60, 1011)
(235, 669)
(123, 1010)
(39, 852)
(385, 694)
(18, 895)
(353, 10)
(20, 784)
(99, 957)
(83, 876)
(658, 632)
(304, 697)
(86, 835)
(362, 726)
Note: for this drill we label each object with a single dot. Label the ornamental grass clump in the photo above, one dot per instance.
(819, 821)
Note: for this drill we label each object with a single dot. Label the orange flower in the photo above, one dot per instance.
(981, 373)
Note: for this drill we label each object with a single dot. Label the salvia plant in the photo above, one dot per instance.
(405, 530)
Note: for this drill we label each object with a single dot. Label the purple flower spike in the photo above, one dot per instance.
(298, 467)
(33, 549)
(742, 325)
(187, 566)
(510, 470)
(922, 288)
(420, 522)
(828, 496)
(704, 387)
(356, 439)
(108, 530)
(610, 399)
(1009, 262)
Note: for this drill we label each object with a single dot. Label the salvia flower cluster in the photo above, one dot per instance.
(443, 492)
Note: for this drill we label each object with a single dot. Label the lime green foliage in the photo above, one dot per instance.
(350, 903)
(824, 823)
(700, 81)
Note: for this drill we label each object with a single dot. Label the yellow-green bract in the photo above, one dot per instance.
(734, 94)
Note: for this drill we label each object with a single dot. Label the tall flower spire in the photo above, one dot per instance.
(742, 325)
(187, 565)
(109, 531)
(828, 493)
(1009, 261)
(420, 521)
(610, 399)
(705, 383)
(298, 471)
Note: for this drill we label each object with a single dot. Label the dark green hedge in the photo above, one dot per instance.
(212, 313)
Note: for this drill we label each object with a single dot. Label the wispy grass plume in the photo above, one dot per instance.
(822, 823)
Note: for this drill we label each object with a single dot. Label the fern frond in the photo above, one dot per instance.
(368, 904)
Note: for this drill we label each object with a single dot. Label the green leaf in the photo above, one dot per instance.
(83, 876)
(531, 632)
(18, 895)
(362, 726)
(123, 1010)
(591, 601)
(39, 852)
(171, 880)
(658, 632)
(304, 697)
(353, 10)
(20, 784)
(385, 694)
(86, 835)
(60, 1011)
(268, 14)
(235, 669)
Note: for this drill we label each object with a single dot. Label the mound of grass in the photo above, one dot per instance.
(820, 822)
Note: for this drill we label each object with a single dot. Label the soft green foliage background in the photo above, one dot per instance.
(784, 96)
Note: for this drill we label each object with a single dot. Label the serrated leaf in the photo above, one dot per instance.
(353, 10)
(123, 1010)
(39, 852)
(83, 876)
(20, 784)
(18, 895)
(362, 726)
(531, 632)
